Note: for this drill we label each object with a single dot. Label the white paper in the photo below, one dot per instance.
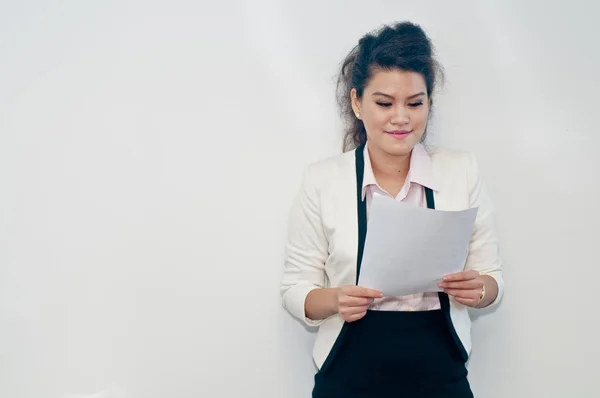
(409, 249)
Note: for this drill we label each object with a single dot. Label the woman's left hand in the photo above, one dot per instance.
(466, 287)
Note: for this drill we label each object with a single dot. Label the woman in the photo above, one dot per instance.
(369, 345)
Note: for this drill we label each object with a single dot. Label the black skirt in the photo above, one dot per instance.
(394, 354)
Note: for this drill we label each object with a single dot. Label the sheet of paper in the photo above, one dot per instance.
(409, 249)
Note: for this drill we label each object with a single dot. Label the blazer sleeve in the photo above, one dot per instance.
(483, 249)
(306, 250)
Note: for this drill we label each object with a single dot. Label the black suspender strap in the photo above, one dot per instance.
(361, 207)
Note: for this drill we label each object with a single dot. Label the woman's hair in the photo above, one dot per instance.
(402, 46)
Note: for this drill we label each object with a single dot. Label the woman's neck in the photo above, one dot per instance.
(389, 167)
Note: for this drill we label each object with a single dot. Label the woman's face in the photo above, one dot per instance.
(394, 109)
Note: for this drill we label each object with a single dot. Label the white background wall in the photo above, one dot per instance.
(149, 152)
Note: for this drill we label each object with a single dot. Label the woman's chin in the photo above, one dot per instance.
(399, 148)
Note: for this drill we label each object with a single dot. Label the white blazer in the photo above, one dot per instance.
(322, 243)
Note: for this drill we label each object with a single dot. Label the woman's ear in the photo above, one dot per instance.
(355, 102)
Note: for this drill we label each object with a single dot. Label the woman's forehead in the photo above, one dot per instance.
(396, 82)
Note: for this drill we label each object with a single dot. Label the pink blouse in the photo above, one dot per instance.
(419, 175)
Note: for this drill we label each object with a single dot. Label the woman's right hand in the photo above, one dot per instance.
(353, 301)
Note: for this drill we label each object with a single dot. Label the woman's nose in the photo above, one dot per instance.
(400, 117)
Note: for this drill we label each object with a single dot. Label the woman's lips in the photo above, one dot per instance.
(398, 133)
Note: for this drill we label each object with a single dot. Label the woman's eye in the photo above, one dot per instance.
(415, 104)
(384, 104)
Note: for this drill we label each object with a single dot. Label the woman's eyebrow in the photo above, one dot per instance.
(390, 96)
